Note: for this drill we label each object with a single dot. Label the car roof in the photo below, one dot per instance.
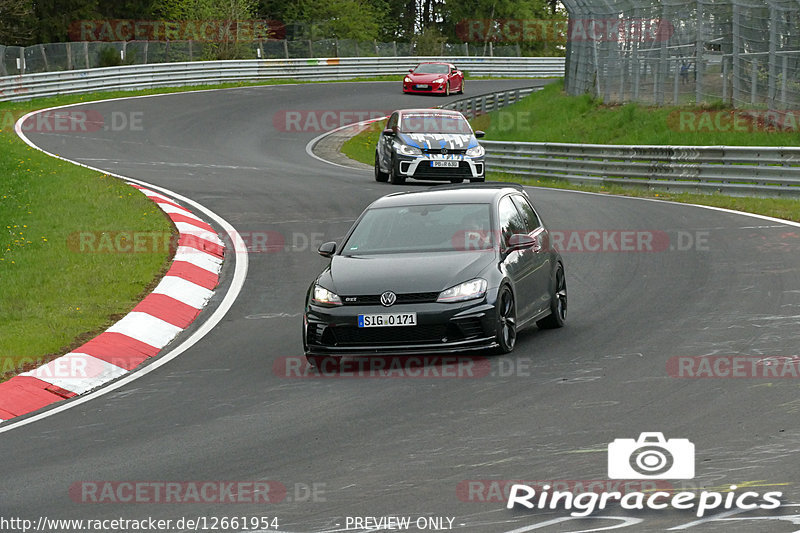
(475, 193)
(435, 63)
(428, 111)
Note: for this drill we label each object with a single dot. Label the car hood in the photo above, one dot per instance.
(437, 141)
(425, 78)
(403, 273)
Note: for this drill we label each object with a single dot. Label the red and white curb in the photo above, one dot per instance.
(171, 307)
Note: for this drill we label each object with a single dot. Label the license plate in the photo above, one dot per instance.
(447, 164)
(421, 86)
(392, 319)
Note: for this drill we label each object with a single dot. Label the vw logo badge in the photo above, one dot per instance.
(444, 151)
(388, 298)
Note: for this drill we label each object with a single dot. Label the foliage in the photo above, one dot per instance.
(16, 22)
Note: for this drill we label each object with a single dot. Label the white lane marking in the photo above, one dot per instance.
(625, 522)
(146, 328)
(779, 221)
(198, 258)
(312, 142)
(237, 283)
(183, 290)
(77, 372)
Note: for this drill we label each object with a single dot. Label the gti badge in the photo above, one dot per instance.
(388, 298)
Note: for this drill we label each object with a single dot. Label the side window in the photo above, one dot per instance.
(510, 220)
(529, 217)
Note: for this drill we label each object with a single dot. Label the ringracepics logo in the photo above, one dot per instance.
(651, 457)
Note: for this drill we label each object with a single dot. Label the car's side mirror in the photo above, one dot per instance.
(388, 131)
(327, 249)
(479, 134)
(520, 241)
(411, 70)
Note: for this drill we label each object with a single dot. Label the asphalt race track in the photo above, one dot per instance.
(717, 283)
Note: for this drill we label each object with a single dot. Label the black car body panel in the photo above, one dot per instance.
(360, 276)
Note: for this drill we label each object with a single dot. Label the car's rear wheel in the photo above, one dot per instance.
(506, 320)
(461, 89)
(558, 303)
(323, 363)
(394, 174)
(379, 174)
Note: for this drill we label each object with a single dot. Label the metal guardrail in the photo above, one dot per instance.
(131, 77)
(473, 106)
(732, 170)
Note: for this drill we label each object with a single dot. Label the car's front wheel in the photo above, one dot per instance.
(456, 180)
(558, 303)
(461, 89)
(506, 335)
(379, 174)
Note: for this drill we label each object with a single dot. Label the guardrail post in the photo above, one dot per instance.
(69, 56)
(784, 74)
(675, 83)
(753, 82)
(286, 49)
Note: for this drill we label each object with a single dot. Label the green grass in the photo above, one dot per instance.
(551, 116)
(51, 294)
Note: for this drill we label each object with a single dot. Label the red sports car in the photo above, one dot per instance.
(440, 78)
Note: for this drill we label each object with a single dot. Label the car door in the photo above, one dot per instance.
(385, 143)
(539, 254)
(519, 265)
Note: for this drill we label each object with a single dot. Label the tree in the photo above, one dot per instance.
(338, 19)
(16, 22)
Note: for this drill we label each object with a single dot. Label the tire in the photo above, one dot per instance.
(379, 174)
(476, 180)
(506, 335)
(457, 180)
(461, 89)
(394, 176)
(323, 363)
(447, 89)
(558, 303)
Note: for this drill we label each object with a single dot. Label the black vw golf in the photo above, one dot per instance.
(448, 269)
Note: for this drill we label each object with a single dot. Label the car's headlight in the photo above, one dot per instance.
(469, 290)
(405, 149)
(476, 151)
(438, 80)
(407, 79)
(322, 296)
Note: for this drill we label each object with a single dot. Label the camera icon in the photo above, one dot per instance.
(651, 457)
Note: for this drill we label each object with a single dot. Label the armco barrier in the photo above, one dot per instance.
(131, 77)
(732, 170)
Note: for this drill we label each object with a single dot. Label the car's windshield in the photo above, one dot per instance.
(422, 228)
(434, 123)
(431, 68)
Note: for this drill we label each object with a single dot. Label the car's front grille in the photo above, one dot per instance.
(354, 336)
(446, 151)
(375, 299)
(424, 170)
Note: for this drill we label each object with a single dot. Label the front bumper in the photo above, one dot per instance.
(441, 328)
(419, 167)
(436, 88)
